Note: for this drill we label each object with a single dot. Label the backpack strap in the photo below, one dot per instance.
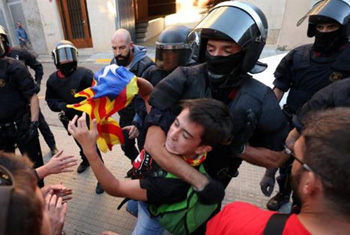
(276, 223)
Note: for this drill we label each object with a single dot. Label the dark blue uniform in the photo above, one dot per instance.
(29, 60)
(16, 89)
(304, 72)
(192, 82)
(334, 95)
(60, 90)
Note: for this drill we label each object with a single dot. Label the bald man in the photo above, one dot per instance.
(135, 59)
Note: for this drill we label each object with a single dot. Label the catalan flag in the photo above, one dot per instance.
(113, 89)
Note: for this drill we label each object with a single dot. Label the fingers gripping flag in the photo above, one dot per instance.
(113, 89)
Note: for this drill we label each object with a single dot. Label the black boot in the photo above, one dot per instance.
(282, 197)
(277, 201)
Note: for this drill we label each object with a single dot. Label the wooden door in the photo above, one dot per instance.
(75, 22)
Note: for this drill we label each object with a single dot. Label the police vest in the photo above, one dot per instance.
(13, 104)
(65, 88)
(192, 82)
(311, 73)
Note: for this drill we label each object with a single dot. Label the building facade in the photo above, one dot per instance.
(90, 24)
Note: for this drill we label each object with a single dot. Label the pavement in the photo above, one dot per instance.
(89, 213)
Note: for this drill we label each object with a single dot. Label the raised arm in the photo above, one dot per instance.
(87, 139)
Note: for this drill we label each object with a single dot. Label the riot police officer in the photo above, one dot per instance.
(229, 52)
(19, 109)
(29, 60)
(307, 69)
(63, 84)
(172, 50)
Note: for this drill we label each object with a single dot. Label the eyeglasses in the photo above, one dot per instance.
(290, 152)
(7, 185)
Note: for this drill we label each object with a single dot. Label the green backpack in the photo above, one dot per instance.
(186, 216)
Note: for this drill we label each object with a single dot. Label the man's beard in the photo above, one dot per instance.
(123, 60)
(295, 183)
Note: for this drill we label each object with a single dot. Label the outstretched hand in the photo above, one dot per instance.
(59, 190)
(58, 164)
(132, 131)
(80, 131)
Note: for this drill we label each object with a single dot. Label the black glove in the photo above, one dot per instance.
(213, 192)
(267, 183)
(32, 131)
(37, 87)
(62, 116)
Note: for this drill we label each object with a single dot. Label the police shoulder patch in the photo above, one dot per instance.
(2, 82)
(335, 76)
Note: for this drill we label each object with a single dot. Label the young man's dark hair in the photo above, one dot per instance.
(328, 152)
(214, 117)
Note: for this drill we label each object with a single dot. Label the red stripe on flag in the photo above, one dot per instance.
(119, 102)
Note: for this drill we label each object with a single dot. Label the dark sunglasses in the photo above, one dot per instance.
(7, 185)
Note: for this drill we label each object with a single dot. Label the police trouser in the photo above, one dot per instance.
(65, 122)
(46, 132)
(283, 179)
(13, 135)
(129, 147)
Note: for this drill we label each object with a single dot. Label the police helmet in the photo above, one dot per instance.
(65, 56)
(4, 39)
(172, 49)
(2, 48)
(241, 22)
(328, 11)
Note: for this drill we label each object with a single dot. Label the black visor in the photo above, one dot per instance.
(247, 26)
(338, 10)
(2, 47)
(65, 54)
(170, 56)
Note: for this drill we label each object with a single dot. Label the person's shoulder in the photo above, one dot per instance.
(195, 69)
(15, 65)
(303, 47)
(239, 218)
(242, 206)
(299, 50)
(185, 73)
(21, 54)
(254, 87)
(239, 209)
(52, 77)
(294, 226)
(84, 70)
